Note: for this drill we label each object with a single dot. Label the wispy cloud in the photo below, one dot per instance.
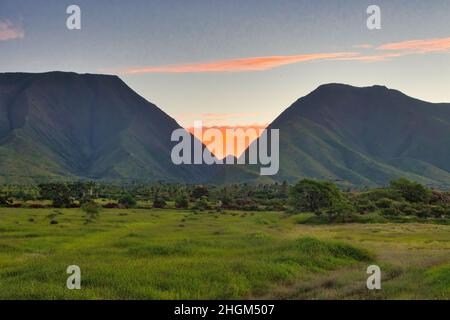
(375, 57)
(10, 31)
(363, 46)
(419, 46)
(372, 53)
(217, 116)
(403, 48)
(220, 119)
(235, 65)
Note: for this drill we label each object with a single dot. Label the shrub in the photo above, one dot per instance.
(202, 204)
(411, 191)
(127, 201)
(438, 211)
(182, 201)
(312, 196)
(36, 206)
(377, 194)
(199, 191)
(58, 193)
(91, 209)
(111, 205)
(321, 198)
(440, 198)
(159, 202)
(5, 201)
(384, 203)
(390, 212)
(423, 212)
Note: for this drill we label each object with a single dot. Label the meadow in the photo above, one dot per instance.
(182, 254)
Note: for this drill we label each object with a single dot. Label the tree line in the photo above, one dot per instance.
(326, 200)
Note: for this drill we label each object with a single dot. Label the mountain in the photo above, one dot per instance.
(360, 136)
(59, 126)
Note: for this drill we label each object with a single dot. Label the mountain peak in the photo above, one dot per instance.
(55, 76)
(83, 125)
(343, 86)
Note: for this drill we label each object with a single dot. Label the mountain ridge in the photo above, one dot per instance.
(362, 136)
(61, 125)
(64, 125)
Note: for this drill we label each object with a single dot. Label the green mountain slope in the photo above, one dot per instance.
(59, 126)
(360, 136)
(64, 125)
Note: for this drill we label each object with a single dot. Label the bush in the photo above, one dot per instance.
(438, 211)
(202, 204)
(390, 212)
(200, 191)
(384, 203)
(159, 203)
(5, 201)
(127, 201)
(442, 198)
(411, 191)
(111, 205)
(92, 210)
(363, 205)
(36, 206)
(423, 212)
(321, 198)
(312, 196)
(182, 201)
(377, 194)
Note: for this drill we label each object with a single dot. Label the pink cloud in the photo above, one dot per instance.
(221, 119)
(392, 51)
(236, 65)
(419, 46)
(363, 46)
(8, 31)
(375, 58)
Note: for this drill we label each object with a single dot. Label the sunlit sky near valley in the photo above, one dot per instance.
(234, 62)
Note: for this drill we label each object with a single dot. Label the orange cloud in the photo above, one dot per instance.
(374, 58)
(363, 46)
(8, 31)
(217, 116)
(419, 46)
(236, 65)
(397, 49)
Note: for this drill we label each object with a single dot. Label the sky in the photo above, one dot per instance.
(234, 62)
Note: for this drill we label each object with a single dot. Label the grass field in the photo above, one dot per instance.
(168, 254)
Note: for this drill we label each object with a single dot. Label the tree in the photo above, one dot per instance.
(58, 193)
(312, 196)
(320, 197)
(202, 204)
(200, 191)
(127, 200)
(5, 200)
(182, 201)
(91, 209)
(158, 202)
(411, 191)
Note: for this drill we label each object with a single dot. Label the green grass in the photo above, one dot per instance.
(167, 254)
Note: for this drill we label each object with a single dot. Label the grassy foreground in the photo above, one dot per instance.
(167, 254)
